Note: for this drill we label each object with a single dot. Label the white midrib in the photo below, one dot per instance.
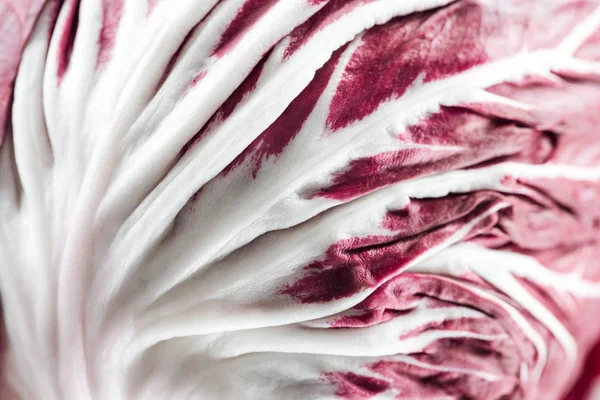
(79, 238)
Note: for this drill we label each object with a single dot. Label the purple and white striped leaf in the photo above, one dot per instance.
(264, 199)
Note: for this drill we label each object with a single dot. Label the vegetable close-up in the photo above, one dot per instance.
(300, 199)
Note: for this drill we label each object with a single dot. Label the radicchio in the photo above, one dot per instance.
(300, 199)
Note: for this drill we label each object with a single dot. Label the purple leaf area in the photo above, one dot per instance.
(67, 38)
(461, 138)
(112, 13)
(533, 222)
(590, 49)
(442, 368)
(413, 381)
(436, 44)
(249, 13)
(577, 197)
(228, 107)
(392, 56)
(485, 132)
(557, 244)
(589, 376)
(352, 386)
(332, 11)
(274, 140)
(353, 265)
(561, 106)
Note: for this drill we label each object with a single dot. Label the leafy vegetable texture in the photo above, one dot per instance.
(300, 199)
